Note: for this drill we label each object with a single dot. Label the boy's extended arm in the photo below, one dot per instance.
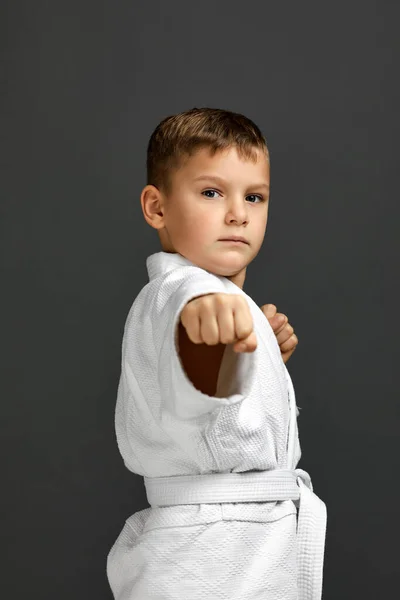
(187, 372)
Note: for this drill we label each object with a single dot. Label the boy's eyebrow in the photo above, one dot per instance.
(221, 181)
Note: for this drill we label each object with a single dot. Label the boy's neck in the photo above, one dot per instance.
(239, 278)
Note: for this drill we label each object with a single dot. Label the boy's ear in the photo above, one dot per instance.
(152, 203)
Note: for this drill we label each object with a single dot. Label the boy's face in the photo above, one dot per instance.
(199, 213)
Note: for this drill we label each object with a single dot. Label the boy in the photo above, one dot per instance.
(211, 425)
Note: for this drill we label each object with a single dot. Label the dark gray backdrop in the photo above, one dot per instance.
(85, 85)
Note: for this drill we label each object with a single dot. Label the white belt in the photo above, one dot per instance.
(260, 486)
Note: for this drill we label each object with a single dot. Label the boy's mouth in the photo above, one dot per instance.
(235, 238)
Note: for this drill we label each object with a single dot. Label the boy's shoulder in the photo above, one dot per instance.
(172, 273)
(169, 274)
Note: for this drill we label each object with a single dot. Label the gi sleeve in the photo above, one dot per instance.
(178, 395)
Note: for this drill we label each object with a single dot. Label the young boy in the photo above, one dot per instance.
(210, 425)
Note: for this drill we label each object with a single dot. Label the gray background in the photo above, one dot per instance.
(85, 84)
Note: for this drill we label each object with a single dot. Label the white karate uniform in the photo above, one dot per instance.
(166, 427)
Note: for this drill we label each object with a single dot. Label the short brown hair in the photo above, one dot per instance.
(179, 136)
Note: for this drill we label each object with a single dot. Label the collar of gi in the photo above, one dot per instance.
(161, 262)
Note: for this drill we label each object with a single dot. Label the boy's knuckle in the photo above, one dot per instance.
(248, 331)
(226, 337)
(183, 319)
(209, 303)
(220, 301)
(190, 308)
(240, 300)
(204, 300)
(193, 337)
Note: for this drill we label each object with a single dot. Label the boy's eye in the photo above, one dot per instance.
(212, 191)
(255, 196)
(249, 196)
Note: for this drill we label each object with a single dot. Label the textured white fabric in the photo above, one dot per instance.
(166, 427)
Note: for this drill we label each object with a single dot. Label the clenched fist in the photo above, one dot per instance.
(220, 318)
(284, 332)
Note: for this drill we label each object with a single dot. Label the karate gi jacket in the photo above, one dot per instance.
(166, 427)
